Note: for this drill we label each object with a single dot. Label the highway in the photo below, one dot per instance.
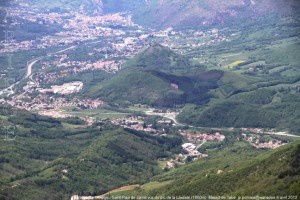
(30, 64)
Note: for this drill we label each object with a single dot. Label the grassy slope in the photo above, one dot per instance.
(272, 173)
(276, 173)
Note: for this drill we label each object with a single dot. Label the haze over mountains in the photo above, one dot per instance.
(178, 13)
(156, 98)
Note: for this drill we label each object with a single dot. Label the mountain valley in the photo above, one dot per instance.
(149, 99)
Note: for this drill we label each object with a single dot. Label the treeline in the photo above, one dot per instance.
(253, 109)
(55, 162)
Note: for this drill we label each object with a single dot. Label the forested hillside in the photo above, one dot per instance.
(53, 159)
(164, 99)
(160, 77)
(272, 173)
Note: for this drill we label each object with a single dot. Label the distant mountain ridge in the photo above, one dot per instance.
(195, 13)
(179, 13)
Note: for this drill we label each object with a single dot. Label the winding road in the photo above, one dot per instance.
(172, 116)
(9, 90)
(29, 67)
(34, 61)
